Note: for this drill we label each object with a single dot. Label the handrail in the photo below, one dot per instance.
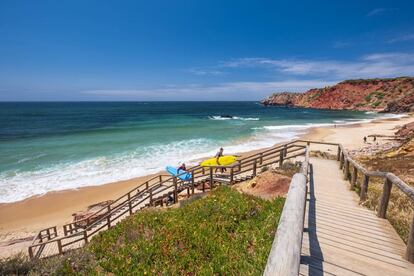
(284, 257)
(151, 194)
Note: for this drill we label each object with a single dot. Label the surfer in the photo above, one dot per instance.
(218, 155)
(181, 168)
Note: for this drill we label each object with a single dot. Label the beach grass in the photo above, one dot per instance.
(225, 232)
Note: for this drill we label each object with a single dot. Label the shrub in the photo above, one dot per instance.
(223, 233)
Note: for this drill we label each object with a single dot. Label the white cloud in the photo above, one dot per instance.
(379, 11)
(223, 91)
(204, 72)
(402, 38)
(370, 66)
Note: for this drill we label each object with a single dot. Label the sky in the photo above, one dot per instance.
(196, 50)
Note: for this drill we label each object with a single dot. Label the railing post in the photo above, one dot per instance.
(385, 198)
(346, 174)
(261, 158)
(364, 188)
(338, 156)
(192, 183)
(211, 178)
(231, 176)
(239, 165)
(175, 190)
(341, 161)
(146, 185)
(55, 230)
(280, 158)
(85, 236)
(108, 218)
(59, 243)
(160, 178)
(30, 252)
(354, 178)
(254, 167)
(150, 197)
(409, 253)
(284, 151)
(129, 204)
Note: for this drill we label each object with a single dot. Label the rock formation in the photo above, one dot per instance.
(380, 95)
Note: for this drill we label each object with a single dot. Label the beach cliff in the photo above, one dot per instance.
(380, 95)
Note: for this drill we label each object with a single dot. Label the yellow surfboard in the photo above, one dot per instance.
(224, 161)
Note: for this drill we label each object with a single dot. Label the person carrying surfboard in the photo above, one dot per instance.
(218, 155)
(181, 168)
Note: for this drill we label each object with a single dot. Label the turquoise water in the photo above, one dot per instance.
(54, 146)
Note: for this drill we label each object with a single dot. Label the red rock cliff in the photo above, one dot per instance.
(381, 95)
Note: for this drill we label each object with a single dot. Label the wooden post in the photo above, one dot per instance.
(211, 178)
(341, 161)
(280, 158)
(239, 165)
(146, 185)
(108, 218)
(354, 178)
(338, 156)
(59, 243)
(364, 188)
(261, 158)
(346, 175)
(48, 234)
(30, 252)
(385, 198)
(129, 204)
(192, 183)
(409, 253)
(175, 189)
(254, 167)
(203, 171)
(150, 197)
(285, 151)
(231, 176)
(160, 178)
(85, 236)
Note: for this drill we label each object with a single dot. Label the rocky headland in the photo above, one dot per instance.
(379, 95)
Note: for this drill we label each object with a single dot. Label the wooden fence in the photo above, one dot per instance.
(284, 258)
(159, 190)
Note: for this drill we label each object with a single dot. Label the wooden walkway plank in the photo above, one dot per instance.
(343, 238)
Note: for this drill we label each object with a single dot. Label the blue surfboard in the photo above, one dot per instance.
(182, 176)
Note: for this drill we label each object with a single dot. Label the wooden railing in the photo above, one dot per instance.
(153, 192)
(390, 180)
(284, 257)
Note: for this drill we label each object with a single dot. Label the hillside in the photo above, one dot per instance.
(380, 95)
(225, 232)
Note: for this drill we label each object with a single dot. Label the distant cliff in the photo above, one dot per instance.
(381, 95)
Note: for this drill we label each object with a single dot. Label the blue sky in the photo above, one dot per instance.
(196, 50)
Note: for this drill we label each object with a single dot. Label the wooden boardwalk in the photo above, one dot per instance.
(343, 238)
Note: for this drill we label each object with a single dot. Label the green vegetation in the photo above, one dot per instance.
(359, 104)
(368, 97)
(223, 233)
(377, 103)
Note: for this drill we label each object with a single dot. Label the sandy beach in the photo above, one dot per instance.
(25, 218)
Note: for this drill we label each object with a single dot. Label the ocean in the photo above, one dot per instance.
(51, 146)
